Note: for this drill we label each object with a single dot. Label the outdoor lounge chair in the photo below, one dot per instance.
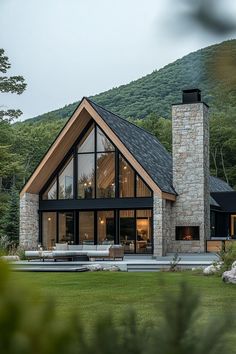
(79, 252)
(40, 255)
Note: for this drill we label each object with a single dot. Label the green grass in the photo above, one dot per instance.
(93, 294)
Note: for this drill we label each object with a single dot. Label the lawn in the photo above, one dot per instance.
(94, 294)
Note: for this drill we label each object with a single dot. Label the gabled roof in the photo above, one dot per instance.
(218, 185)
(144, 152)
(213, 202)
(226, 200)
(144, 146)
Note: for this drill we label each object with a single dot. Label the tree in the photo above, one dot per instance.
(11, 219)
(13, 84)
(9, 163)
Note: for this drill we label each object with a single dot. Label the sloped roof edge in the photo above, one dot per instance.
(88, 105)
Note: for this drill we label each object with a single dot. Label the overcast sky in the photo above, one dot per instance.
(67, 49)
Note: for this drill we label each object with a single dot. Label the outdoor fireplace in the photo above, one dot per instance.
(187, 233)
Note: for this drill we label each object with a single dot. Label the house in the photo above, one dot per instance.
(105, 180)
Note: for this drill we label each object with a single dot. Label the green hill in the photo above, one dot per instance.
(154, 93)
(147, 101)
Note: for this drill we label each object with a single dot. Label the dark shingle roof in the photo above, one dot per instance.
(144, 146)
(150, 153)
(213, 202)
(218, 185)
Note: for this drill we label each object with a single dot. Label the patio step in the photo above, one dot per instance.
(134, 267)
(130, 264)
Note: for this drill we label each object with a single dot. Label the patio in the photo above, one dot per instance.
(130, 263)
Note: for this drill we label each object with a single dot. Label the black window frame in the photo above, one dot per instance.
(73, 153)
(75, 212)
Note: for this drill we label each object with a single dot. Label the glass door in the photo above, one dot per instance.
(86, 228)
(66, 227)
(136, 231)
(127, 230)
(143, 231)
(105, 227)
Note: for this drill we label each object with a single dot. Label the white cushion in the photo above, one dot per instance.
(103, 247)
(98, 253)
(33, 253)
(75, 247)
(89, 247)
(46, 254)
(61, 246)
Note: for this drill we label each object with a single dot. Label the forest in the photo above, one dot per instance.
(146, 102)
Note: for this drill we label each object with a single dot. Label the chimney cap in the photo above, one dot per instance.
(191, 96)
(191, 90)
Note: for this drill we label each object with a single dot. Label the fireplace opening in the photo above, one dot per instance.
(187, 233)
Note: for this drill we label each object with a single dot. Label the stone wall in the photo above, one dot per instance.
(161, 225)
(190, 129)
(29, 220)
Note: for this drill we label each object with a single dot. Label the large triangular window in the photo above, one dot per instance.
(103, 143)
(142, 190)
(51, 191)
(65, 181)
(101, 172)
(87, 142)
(126, 179)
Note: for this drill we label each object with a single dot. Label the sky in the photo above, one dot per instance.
(67, 49)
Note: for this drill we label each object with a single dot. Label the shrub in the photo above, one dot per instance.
(227, 256)
(174, 263)
(5, 245)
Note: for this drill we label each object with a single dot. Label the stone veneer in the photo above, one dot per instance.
(161, 225)
(29, 220)
(190, 130)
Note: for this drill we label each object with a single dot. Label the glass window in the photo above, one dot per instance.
(142, 188)
(49, 229)
(106, 227)
(86, 227)
(51, 192)
(127, 230)
(86, 176)
(66, 181)
(87, 142)
(66, 227)
(213, 223)
(126, 178)
(106, 175)
(103, 144)
(144, 231)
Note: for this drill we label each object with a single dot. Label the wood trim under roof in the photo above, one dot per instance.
(67, 138)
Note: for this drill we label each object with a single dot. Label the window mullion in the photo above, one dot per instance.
(117, 172)
(95, 162)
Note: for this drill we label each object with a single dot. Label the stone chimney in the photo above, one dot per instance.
(191, 211)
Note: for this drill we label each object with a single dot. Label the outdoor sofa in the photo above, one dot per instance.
(73, 252)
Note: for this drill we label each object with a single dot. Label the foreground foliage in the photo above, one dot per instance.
(227, 256)
(29, 325)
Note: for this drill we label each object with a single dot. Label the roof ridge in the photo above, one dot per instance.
(127, 121)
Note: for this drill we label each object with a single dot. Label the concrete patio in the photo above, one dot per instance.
(130, 263)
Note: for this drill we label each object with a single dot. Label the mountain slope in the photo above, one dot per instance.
(154, 93)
